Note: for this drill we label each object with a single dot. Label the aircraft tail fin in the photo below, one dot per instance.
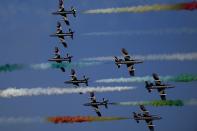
(71, 32)
(73, 11)
(69, 57)
(105, 103)
(116, 61)
(72, 36)
(148, 85)
(86, 80)
(135, 116)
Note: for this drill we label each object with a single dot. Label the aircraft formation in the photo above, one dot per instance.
(127, 60)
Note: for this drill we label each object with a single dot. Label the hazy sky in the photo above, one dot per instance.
(25, 28)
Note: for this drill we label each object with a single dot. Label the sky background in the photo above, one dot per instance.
(25, 28)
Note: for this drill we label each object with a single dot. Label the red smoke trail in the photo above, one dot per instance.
(189, 5)
(79, 119)
(146, 8)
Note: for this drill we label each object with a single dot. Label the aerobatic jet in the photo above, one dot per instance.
(60, 34)
(158, 86)
(127, 61)
(95, 104)
(61, 11)
(76, 81)
(145, 116)
(59, 59)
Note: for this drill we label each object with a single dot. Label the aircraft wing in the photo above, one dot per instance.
(156, 78)
(73, 73)
(92, 97)
(93, 100)
(62, 69)
(97, 112)
(125, 54)
(64, 44)
(74, 78)
(150, 125)
(130, 69)
(162, 94)
(127, 57)
(96, 109)
(143, 109)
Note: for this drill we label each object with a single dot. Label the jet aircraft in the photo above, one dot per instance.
(146, 117)
(61, 11)
(60, 34)
(59, 59)
(158, 86)
(95, 104)
(76, 81)
(127, 61)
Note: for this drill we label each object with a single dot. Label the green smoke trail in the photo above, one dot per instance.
(11, 67)
(185, 78)
(192, 102)
(151, 103)
(44, 66)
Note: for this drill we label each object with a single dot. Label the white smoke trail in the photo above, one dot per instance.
(170, 31)
(14, 92)
(192, 102)
(132, 79)
(41, 66)
(20, 120)
(45, 66)
(152, 57)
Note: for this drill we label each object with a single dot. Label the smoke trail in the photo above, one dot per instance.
(11, 67)
(80, 119)
(151, 103)
(192, 102)
(145, 32)
(13, 92)
(125, 80)
(185, 78)
(44, 66)
(179, 78)
(145, 8)
(152, 57)
(20, 120)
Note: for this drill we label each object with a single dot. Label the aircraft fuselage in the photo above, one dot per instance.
(59, 60)
(95, 103)
(147, 118)
(129, 62)
(161, 87)
(62, 34)
(63, 12)
(76, 81)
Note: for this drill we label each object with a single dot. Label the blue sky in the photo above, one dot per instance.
(25, 29)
